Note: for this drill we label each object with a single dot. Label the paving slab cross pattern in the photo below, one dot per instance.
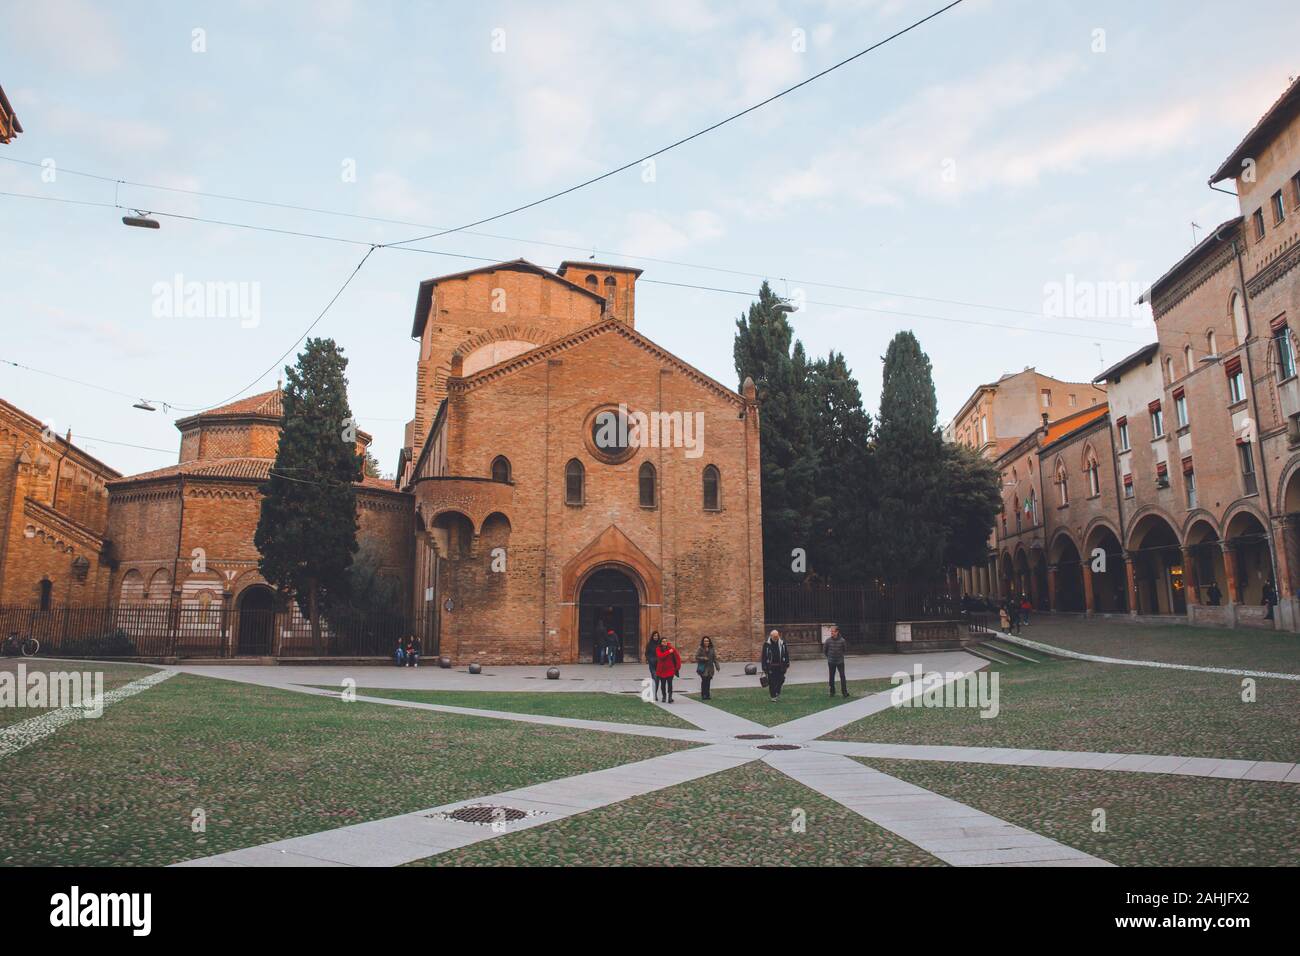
(951, 831)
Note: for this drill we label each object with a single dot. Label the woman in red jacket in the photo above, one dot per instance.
(669, 666)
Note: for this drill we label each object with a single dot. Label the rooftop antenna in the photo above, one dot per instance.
(1195, 226)
(1101, 359)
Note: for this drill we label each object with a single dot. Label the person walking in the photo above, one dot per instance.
(835, 648)
(1025, 608)
(612, 644)
(706, 665)
(775, 662)
(670, 665)
(652, 660)
(1270, 598)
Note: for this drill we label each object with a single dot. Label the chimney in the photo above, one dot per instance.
(1044, 421)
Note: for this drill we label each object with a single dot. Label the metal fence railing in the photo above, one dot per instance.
(162, 630)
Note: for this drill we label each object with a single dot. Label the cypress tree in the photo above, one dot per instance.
(763, 352)
(910, 528)
(307, 530)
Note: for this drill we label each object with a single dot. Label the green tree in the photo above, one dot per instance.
(307, 531)
(971, 505)
(842, 436)
(909, 530)
(791, 508)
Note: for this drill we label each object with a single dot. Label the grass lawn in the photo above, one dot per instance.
(797, 700)
(620, 708)
(1151, 819)
(114, 675)
(739, 817)
(1077, 705)
(1171, 643)
(263, 764)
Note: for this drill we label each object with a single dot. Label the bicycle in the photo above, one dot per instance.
(15, 646)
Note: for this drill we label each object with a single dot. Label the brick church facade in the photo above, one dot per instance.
(517, 532)
(517, 365)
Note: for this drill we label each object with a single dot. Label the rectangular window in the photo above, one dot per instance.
(1128, 486)
(1189, 482)
(1094, 481)
(1162, 474)
(1123, 435)
(984, 428)
(1257, 217)
(1247, 458)
(1237, 387)
(1295, 190)
(1047, 398)
(1278, 213)
(1074, 400)
(1285, 351)
(1180, 408)
(1157, 422)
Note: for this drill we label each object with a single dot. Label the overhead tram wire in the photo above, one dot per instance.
(686, 139)
(473, 258)
(316, 210)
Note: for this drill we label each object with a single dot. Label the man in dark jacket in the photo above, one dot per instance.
(835, 648)
(775, 662)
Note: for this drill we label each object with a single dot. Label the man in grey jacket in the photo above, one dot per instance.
(834, 648)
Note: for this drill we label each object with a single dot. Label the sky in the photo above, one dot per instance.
(953, 182)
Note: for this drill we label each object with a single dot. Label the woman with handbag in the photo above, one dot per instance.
(706, 665)
(652, 660)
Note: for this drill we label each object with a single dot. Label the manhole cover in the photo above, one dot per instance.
(778, 747)
(755, 736)
(485, 815)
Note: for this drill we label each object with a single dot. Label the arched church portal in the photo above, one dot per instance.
(609, 599)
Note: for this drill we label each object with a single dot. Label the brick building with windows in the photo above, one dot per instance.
(182, 536)
(1201, 437)
(54, 511)
(519, 366)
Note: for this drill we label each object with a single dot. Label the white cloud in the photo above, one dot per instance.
(652, 234)
(78, 35)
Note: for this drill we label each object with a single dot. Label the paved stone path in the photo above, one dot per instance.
(1269, 770)
(955, 833)
(951, 831)
(1097, 659)
(23, 734)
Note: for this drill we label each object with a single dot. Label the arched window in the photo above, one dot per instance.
(1169, 367)
(501, 469)
(1062, 484)
(592, 283)
(1238, 311)
(574, 479)
(1094, 477)
(47, 593)
(611, 293)
(712, 489)
(646, 484)
(1017, 513)
(1211, 343)
(1031, 508)
(1187, 358)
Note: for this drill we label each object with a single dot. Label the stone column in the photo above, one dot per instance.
(1230, 572)
(1190, 581)
(1089, 605)
(1130, 570)
(1051, 587)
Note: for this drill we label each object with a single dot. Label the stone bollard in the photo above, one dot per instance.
(444, 662)
(552, 673)
(751, 669)
(476, 668)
